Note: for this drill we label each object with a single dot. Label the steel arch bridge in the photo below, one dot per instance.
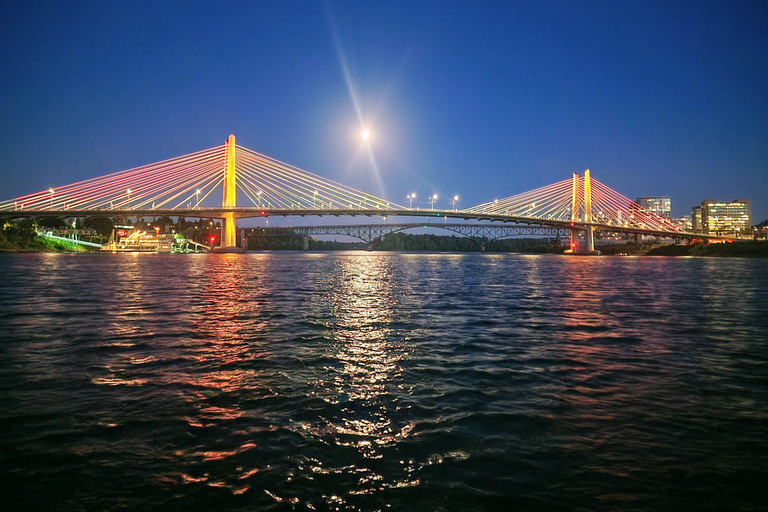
(255, 185)
(371, 232)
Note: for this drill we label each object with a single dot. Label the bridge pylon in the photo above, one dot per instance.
(588, 211)
(587, 244)
(229, 200)
(574, 211)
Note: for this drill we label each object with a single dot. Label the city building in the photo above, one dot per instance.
(660, 205)
(721, 218)
(683, 223)
(697, 219)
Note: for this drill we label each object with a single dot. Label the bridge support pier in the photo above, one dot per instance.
(582, 242)
(228, 231)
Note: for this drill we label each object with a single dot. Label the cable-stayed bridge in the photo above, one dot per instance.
(255, 185)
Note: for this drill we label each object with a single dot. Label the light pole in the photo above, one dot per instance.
(314, 199)
(453, 202)
(260, 205)
(432, 201)
(129, 198)
(197, 194)
(51, 191)
(410, 198)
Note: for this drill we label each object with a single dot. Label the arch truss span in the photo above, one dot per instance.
(370, 233)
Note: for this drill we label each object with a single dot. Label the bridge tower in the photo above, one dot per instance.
(575, 212)
(229, 200)
(589, 238)
(588, 211)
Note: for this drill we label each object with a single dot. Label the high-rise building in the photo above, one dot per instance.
(719, 218)
(683, 223)
(697, 219)
(660, 205)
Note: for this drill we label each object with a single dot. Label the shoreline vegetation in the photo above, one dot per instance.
(25, 241)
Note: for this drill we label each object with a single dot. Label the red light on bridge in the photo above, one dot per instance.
(572, 224)
(213, 239)
(263, 212)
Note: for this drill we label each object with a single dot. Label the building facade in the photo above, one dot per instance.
(660, 205)
(721, 218)
(697, 219)
(683, 223)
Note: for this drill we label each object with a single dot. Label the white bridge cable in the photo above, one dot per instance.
(145, 182)
(550, 202)
(94, 184)
(627, 213)
(161, 186)
(203, 177)
(526, 200)
(167, 186)
(213, 184)
(249, 191)
(624, 211)
(290, 185)
(289, 189)
(267, 192)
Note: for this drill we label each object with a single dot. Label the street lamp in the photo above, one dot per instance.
(453, 202)
(260, 205)
(314, 199)
(432, 201)
(51, 191)
(197, 194)
(129, 197)
(410, 198)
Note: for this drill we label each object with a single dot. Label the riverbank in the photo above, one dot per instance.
(739, 249)
(435, 243)
(37, 244)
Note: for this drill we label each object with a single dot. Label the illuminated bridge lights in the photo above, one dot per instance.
(261, 186)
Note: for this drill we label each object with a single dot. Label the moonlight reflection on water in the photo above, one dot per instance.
(367, 381)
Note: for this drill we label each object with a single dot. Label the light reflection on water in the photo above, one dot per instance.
(367, 381)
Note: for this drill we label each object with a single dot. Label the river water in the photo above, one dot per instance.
(382, 381)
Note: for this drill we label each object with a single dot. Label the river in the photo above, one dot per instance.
(382, 381)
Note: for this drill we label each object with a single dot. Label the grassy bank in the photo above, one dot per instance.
(741, 249)
(36, 244)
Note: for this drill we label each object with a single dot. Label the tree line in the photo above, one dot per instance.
(407, 242)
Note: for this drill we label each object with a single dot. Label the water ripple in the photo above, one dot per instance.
(373, 381)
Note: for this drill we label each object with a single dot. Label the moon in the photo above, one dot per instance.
(365, 134)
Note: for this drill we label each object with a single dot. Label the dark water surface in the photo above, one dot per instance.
(382, 381)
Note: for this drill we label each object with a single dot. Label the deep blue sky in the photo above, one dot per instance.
(480, 99)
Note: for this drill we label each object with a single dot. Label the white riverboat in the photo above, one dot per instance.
(141, 241)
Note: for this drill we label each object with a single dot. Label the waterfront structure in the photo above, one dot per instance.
(660, 205)
(726, 218)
